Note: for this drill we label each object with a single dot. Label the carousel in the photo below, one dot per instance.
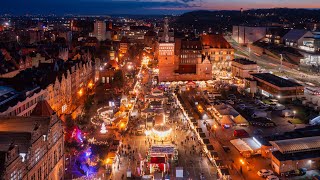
(161, 132)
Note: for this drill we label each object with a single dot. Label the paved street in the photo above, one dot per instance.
(273, 65)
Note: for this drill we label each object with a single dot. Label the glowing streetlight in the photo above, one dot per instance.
(129, 67)
(294, 114)
(80, 92)
(90, 85)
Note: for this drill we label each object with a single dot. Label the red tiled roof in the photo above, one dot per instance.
(215, 41)
(113, 64)
(42, 109)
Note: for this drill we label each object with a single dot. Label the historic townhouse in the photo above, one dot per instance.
(32, 148)
(61, 83)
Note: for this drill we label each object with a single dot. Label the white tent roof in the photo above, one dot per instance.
(315, 121)
(245, 144)
(240, 145)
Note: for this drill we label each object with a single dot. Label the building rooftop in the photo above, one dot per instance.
(297, 144)
(215, 41)
(42, 109)
(308, 131)
(191, 44)
(21, 124)
(275, 80)
(295, 34)
(244, 61)
(7, 94)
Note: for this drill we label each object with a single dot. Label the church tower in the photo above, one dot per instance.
(166, 54)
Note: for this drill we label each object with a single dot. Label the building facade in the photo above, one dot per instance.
(243, 68)
(219, 52)
(63, 91)
(32, 148)
(99, 31)
(192, 59)
(274, 86)
(248, 35)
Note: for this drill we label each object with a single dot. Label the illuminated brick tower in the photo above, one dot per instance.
(166, 54)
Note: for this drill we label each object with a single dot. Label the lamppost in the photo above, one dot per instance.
(294, 114)
(281, 59)
(241, 164)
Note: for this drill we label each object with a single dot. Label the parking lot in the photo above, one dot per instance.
(266, 117)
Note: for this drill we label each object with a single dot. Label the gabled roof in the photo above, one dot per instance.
(295, 34)
(215, 41)
(42, 109)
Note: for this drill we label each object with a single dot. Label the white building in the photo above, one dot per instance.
(248, 35)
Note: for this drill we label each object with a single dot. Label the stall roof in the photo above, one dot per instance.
(210, 147)
(202, 134)
(206, 141)
(226, 120)
(164, 149)
(245, 144)
(297, 144)
(240, 120)
(225, 171)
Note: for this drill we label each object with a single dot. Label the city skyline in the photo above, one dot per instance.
(110, 7)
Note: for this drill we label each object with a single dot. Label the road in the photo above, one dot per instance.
(274, 65)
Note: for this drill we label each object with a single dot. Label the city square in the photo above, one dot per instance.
(159, 90)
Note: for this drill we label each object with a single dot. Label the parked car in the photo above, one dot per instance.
(287, 113)
(297, 172)
(258, 114)
(264, 172)
(279, 107)
(272, 177)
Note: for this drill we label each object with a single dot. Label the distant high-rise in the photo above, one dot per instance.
(100, 30)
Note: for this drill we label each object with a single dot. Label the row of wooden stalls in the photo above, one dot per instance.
(227, 116)
(209, 151)
(207, 147)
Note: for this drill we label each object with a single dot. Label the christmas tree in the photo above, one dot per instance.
(103, 128)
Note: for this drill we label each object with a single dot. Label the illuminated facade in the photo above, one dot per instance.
(192, 59)
(64, 94)
(99, 31)
(243, 68)
(124, 45)
(218, 50)
(32, 147)
(61, 88)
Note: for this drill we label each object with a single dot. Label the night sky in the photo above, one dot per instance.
(106, 7)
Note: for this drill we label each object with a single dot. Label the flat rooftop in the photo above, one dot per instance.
(309, 131)
(276, 80)
(244, 61)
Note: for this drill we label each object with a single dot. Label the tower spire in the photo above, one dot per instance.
(166, 30)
